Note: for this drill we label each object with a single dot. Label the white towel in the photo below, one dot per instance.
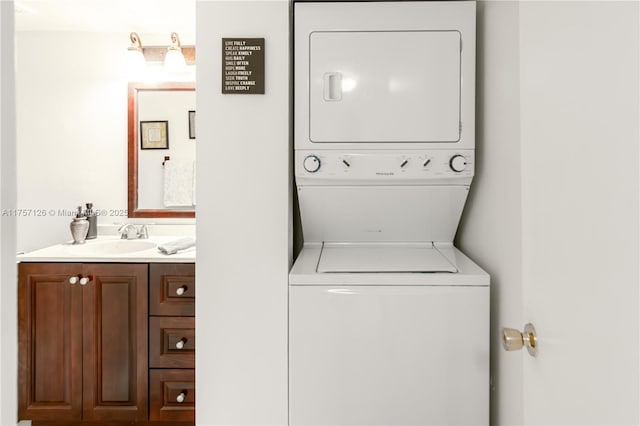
(172, 247)
(178, 183)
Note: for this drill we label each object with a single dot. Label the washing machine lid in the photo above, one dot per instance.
(383, 257)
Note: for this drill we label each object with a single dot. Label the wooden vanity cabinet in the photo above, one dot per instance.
(172, 343)
(83, 342)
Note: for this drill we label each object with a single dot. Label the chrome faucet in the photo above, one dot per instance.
(128, 231)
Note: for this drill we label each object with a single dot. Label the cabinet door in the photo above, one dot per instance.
(49, 342)
(115, 342)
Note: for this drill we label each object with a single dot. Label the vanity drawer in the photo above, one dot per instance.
(172, 342)
(172, 395)
(172, 289)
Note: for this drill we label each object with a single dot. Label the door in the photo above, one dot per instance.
(358, 81)
(580, 234)
(115, 342)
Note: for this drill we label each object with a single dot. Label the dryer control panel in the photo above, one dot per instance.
(364, 167)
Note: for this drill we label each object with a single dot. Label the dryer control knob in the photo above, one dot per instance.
(458, 163)
(311, 163)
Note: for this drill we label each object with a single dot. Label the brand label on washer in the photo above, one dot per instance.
(243, 66)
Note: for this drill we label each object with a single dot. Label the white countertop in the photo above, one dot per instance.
(92, 251)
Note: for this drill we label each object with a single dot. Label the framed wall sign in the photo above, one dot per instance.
(243, 66)
(154, 135)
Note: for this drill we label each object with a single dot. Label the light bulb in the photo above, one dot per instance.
(174, 60)
(136, 63)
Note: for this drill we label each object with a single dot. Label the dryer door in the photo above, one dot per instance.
(384, 86)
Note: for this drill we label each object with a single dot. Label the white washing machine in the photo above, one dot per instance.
(388, 321)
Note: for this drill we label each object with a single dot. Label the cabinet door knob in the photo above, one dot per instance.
(180, 290)
(180, 397)
(180, 343)
(84, 280)
(73, 280)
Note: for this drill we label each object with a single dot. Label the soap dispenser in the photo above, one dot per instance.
(79, 227)
(92, 217)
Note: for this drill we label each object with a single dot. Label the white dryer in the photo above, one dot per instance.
(388, 321)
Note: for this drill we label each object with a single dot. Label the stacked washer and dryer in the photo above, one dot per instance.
(388, 321)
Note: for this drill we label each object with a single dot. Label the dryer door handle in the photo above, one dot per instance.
(332, 86)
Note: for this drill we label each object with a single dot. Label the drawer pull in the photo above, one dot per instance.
(73, 280)
(180, 290)
(84, 280)
(180, 343)
(181, 396)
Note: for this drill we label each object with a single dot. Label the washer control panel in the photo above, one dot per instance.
(384, 165)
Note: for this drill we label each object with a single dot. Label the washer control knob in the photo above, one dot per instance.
(311, 163)
(458, 163)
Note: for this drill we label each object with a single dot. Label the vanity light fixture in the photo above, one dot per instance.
(174, 59)
(135, 56)
(151, 63)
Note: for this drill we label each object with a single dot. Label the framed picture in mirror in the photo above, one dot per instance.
(154, 135)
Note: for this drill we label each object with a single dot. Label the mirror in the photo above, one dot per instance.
(162, 150)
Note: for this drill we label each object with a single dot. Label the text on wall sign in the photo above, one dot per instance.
(243, 66)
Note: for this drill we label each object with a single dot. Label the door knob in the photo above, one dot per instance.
(512, 339)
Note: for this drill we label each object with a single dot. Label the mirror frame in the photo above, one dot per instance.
(132, 182)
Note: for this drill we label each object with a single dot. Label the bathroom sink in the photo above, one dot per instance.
(111, 247)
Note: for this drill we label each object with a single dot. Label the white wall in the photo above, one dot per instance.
(244, 216)
(490, 231)
(8, 287)
(72, 128)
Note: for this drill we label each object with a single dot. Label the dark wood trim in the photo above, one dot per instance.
(101, 423)
(132, 181)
